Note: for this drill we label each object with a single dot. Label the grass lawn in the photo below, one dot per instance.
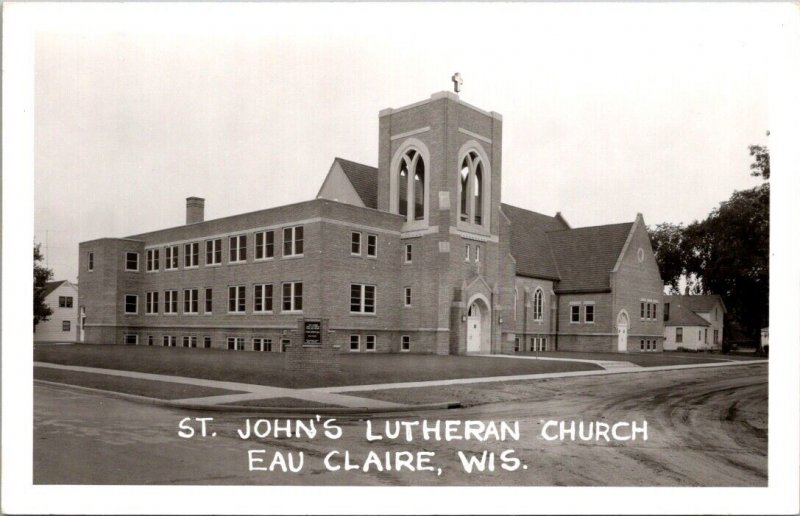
(270, 368)
(666, 358)
(149, 388)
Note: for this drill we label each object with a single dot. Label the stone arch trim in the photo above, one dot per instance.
(394, 190)
(627, 318)
(474, 145)
(477, 296)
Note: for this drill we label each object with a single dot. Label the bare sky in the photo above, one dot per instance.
(607, 110)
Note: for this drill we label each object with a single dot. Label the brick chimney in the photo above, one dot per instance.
(195, 208)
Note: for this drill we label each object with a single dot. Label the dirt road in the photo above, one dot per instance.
(706, 427)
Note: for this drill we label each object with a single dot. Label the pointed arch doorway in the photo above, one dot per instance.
(623, 322)
(479, 326)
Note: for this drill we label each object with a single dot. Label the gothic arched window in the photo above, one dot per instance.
(538, 303)
(411, 186)
(471, 186)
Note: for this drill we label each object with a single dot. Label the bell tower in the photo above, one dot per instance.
(440, 167)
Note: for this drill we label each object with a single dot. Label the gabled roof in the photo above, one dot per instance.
(50, 286)
(529, 244)
(701, 303)
(364, 180)
(682, 315)
(586, 256)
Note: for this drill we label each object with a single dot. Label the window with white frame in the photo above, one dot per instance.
(293, 241)
(171, 257)
(516, 344)
(65, 325)
(65, 301)
(191, 255)
(185, 341)
(477, 253)
(151, 303)
(641, 344)
(408, 253)
(236, 299)
(466, 252)
(236, 343)
(355, 342)
(214, 251)
(355, 243)
(209, 300)
(407, 296)
(369, 343)
(588, 313)
(190, 301)
(678, 334)
(132, 262)
(193, 341)
(262, 344)
(655, 317)
(372, 246)
(131, 304)
(405, 343)
(237, 249)
(411, 200)
(538, 305)
(90, 260)
(362, 299)
(292, 296)
(575, 314)
(207, 342)
(170, 301)
(265, 245)
(262, 298)
(152, 260)
(131, 339)
(471, 189)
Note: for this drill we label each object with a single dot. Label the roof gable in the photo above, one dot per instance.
(364, 180)
(529, 244)
(699, 303)
(682, 315)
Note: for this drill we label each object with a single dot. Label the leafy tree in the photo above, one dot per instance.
(667, 240)
(760, 165)
(41, 275)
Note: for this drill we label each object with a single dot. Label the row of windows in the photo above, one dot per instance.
(535, 344)
(701, 335)
(575, 313)
(355, 244)
(263, 344)
(648, 310)
(648, 345)
(263, 302)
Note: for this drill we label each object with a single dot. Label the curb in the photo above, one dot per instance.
(285, 411)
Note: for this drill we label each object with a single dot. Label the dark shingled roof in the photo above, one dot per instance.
(682, 315)
(50, 286)
(529, 244)
(364, 179)
(587, 255)
(704, 303)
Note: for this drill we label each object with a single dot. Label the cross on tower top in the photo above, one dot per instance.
(457, 82)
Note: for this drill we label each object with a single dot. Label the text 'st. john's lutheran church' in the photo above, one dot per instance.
(418, 255)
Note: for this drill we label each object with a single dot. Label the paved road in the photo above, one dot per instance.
(707, 427)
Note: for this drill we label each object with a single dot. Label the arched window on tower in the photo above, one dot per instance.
(477, 191)
(419, 190)
(403, 184)
(411, 186)
(471, 186)
(464, 188)
(538, 303)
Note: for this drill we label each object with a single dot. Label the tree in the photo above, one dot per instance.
(41, 275)
(668, 246)
(760, 165)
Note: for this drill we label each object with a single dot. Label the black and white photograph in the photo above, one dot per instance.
(447, 245)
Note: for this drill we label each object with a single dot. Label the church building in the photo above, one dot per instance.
(417, 255)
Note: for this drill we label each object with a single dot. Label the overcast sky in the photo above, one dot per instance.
(607, 111)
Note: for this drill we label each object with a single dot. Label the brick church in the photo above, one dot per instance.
(417, 255)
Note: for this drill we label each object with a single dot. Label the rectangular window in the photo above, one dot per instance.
(655, 318)
(207, 342)
(285, 344)
(372, 245)
(641, 344)
(236, 299)
(293, 241)
(699, 335)
(666, 312)
(185, 341)
(131, 304)
(362, 299)
(236, 343)
(65, 325)
(170, 301)
(678, 334)
(642, 310)
(293, 296)
(171, 257)
(265, 245)
(705, 336)
(190, 301)
(369, 343)
(65, 301)
(716, 337)
(132, 262)
(262, 344)
(516, 345)
(191, 255)
(407, 296)
(647, 311)
(152, 260)
(150, 340)
(355, 243)
(131, 339)
(91, 262)
(262, 298)
(209, 300)
(405, 343)
(408, 253)
(588, 314)
(170, 341)
(477, 253)
(151, 303)
(193, 341)
(238, 249)
(214, 251)
(466, 253)
(355, 342)
(575, 314)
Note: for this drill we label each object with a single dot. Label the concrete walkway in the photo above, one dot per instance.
(252, 392)
(605, 364)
